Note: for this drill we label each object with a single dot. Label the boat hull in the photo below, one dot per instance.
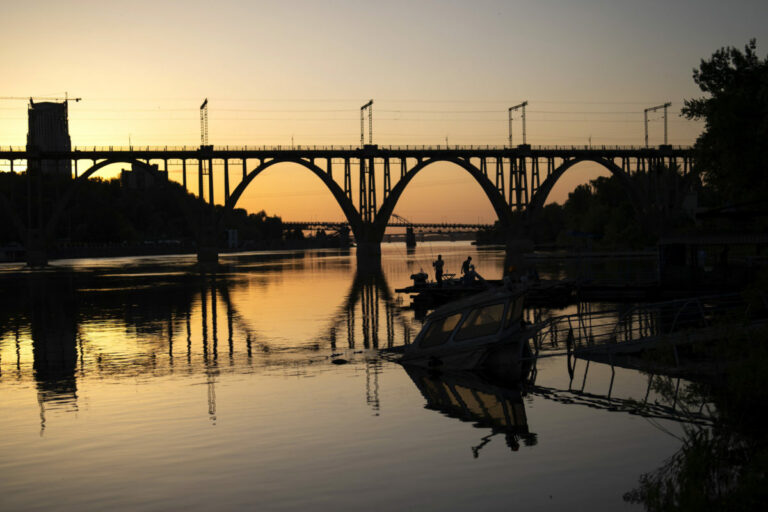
(498, 355)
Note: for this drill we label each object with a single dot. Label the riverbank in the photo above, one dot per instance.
(165, 248)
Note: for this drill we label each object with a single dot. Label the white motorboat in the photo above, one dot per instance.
(484, 330)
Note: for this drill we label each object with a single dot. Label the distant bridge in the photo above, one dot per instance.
(513, 178)
(454, 226)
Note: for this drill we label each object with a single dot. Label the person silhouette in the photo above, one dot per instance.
(465, 266)
(438, 264)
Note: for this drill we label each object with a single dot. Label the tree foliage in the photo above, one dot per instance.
(600, 214)
(106, 212)
(732, 151)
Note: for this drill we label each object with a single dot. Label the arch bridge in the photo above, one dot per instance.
(366, 181)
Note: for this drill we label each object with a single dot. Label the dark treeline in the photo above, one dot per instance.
(730, 174)
(107, 212)
(724, 466)
(601, 215)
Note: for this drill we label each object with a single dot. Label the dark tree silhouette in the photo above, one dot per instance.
(732, 152)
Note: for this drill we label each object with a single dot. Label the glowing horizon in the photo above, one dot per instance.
(297, 74)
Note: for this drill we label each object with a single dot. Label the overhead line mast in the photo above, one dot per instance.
(520, 106)
(368, 106)
(645, 118)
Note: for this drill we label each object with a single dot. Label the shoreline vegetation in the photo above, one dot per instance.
(111, 218)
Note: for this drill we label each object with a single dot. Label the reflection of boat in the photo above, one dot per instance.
(478, 398)
(484, 330)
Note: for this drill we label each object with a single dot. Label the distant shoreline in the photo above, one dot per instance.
(160, 249)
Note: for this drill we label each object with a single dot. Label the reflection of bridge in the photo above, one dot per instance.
(191, 324)
(512, 178)
(217, 338)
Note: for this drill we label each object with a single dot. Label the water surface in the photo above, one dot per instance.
(140, 384)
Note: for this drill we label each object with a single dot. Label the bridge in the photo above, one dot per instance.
(444, 226)
(514, 179)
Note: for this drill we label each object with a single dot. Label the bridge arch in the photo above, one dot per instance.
(540, 197)
(353, 216)
(500, 206)
(64, 200)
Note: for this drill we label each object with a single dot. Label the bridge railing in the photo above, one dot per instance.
(436, 225)
(311, 148)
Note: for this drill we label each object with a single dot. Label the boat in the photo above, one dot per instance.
(426, 295)
(485, 330)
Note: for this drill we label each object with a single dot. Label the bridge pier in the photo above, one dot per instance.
(515, 265)
(37, 255)
(368, 248)
(368, 255)
(410, 237)
(207, 246)
(207, 254)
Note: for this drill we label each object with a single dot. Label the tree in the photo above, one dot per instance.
(732, 151)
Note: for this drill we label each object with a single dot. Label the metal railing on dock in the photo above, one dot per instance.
(642, 324)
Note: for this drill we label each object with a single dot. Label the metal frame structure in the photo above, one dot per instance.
(645, 120)
(509, 112)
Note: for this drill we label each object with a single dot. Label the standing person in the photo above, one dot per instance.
(438, 264)
(465, 266)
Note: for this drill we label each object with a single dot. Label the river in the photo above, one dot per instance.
(140, 384)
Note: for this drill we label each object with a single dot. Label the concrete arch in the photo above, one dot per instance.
(64, 200)
(538, 199)
(353, 216)
(388, 206)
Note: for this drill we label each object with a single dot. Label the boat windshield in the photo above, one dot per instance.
(481, 321)
(440, 330)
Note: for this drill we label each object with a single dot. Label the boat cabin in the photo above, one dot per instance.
(461, 331)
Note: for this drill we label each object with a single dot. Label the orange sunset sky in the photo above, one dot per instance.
(298, 72)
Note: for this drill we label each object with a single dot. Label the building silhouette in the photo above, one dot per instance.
(49, 132)
(142, 177)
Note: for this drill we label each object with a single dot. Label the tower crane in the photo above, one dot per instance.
(40, 98)
(204, 123)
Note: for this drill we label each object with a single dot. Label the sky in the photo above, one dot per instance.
(297, 73)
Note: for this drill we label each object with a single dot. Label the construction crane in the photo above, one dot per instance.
(204, 123)
(40, 98)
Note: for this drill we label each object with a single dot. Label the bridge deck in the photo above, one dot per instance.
(415, 151)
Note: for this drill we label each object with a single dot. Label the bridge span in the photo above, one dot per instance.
(366, 181)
